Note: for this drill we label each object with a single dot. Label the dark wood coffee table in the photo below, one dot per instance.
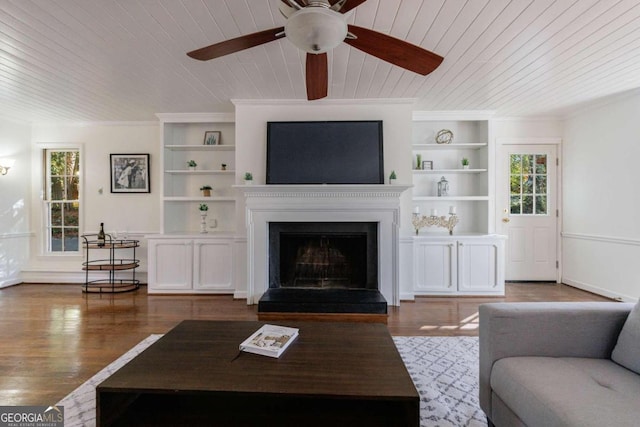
(333, 374)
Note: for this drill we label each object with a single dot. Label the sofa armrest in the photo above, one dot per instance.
(552, 329)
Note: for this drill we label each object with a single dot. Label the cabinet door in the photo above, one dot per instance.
(170, 265)
(480, 266)
(213, 265)
(434, 266)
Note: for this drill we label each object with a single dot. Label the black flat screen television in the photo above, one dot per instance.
(329, 152)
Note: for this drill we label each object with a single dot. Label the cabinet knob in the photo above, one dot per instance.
(505, 220)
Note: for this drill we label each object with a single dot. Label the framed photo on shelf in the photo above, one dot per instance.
(427, 165)
(212, 137)
(130, 173)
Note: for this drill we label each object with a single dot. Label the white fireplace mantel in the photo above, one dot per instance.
(322, 203)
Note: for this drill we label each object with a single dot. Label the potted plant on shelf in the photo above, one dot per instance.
(392, 177)
(206, 190)
(203, 208)
(418, 161)
(465, 163)
(223, 166)
(248, 178)
(192, 164)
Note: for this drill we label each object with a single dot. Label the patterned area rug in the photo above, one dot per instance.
(444, 370)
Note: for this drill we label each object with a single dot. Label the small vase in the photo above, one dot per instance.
(192, 168)
(392, 181)
(248, 181)
(206, 193)
(465, 166)
(203, 222)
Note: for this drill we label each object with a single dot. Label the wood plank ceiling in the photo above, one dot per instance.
(113, 60)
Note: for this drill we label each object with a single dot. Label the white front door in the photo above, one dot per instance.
(526, 204)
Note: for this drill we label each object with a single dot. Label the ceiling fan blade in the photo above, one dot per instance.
(350, 4)
(317, 72)
(235, 45)
(395, 51)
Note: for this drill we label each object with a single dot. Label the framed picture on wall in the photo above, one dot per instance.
(130, 173)
(212, 137)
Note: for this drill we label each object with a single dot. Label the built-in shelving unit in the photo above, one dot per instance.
(470, 190)
(183, 140)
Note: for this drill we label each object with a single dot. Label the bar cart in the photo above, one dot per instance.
(114, 265)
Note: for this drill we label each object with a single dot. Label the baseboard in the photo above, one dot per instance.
(407, 296)
(240, 295)
(598, 291)
(10, 282)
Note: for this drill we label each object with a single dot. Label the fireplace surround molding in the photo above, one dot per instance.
(322, 203)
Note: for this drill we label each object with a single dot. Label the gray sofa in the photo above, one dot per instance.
(560, 364)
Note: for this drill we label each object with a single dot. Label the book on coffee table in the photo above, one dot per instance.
(270, 340)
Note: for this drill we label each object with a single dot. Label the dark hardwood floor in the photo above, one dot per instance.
(54, 337)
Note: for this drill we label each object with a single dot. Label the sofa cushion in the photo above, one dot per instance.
(627, 349)
(547, 391)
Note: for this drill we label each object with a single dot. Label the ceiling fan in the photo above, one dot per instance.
(318, 26)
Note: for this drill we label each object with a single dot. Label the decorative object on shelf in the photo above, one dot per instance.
(443, 187)
(223, 167)
(465, 163)
(206, 190)
(5, 165)
(427, 165)
(212, 137)
(392, 177)
(418, 161)
(434, 220)
(248, 178)
(130, 173)
(444, 136)
(203, 217)
(192, 164)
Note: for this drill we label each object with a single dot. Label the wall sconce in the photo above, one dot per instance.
(5, 165)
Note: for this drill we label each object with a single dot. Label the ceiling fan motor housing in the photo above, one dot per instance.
(316, 29)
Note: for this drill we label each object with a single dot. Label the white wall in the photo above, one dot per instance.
(601, 239)
(136, 213)
(14, 201)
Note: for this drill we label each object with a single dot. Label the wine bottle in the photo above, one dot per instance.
(101, 236)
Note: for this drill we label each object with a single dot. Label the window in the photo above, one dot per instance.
(62, 200)
(528, 182)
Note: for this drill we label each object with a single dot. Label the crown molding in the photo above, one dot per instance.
(461, 115)
(324, 102)
(196, 117)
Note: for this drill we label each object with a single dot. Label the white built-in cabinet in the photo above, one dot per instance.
(472, 265)
(183, 140)
(470, 190)
(471, 261)
(181, 258)
(185, 264)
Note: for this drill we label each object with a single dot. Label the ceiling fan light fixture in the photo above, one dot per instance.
(316, 29)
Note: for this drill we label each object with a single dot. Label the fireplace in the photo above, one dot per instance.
(268, 204)
(323, 267)
(323, 255)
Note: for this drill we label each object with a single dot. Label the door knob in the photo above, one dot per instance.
(505, 220)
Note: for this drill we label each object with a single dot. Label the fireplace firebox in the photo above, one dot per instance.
(323, 255)
(327, 267)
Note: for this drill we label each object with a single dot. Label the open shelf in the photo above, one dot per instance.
(460, 146)
(200, 147)
(200, 199)
(200, 172)
(449, 198)
(439, 171)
